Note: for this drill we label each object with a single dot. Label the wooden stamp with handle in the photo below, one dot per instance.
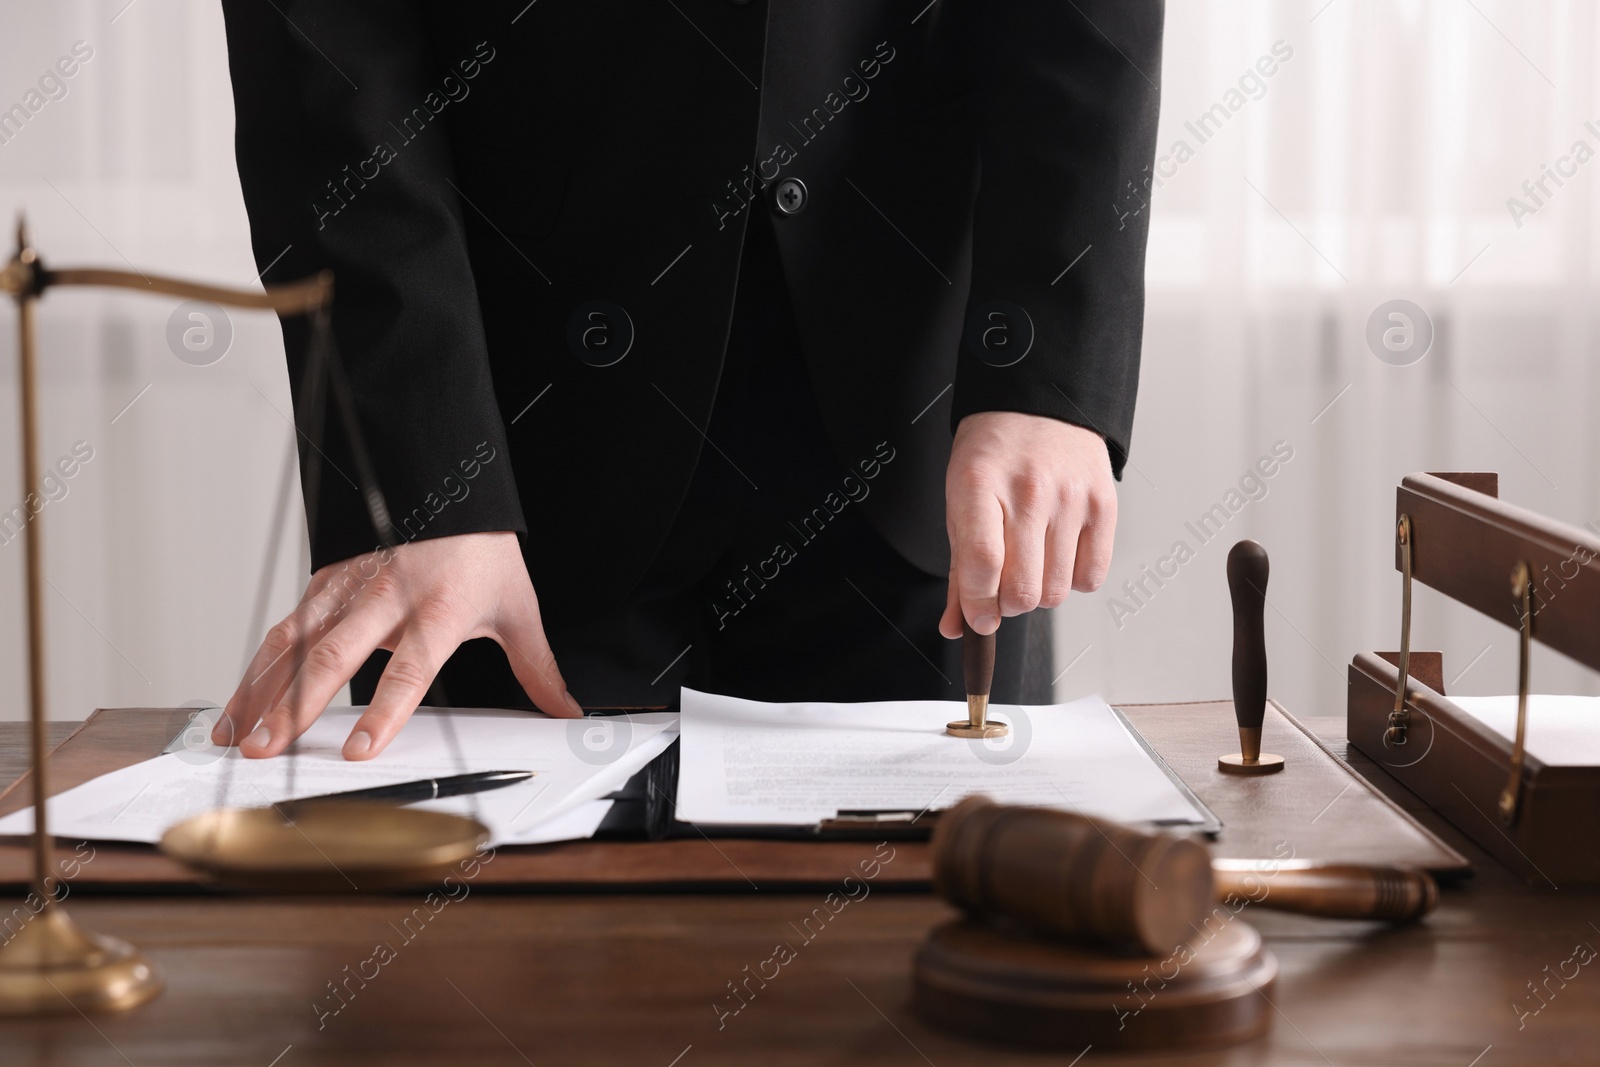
(1247, 584)
(977, 668)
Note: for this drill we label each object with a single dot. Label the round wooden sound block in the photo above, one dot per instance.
(964, 728)
(998, 986)
(1235, 763)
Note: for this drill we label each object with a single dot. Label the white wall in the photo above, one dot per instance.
(1375, 166)
(155, 553)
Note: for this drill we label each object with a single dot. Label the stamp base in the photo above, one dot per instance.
(1235, 763)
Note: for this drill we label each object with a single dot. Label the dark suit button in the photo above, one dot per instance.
(790, 197)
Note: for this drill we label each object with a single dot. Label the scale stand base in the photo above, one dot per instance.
(55, 967)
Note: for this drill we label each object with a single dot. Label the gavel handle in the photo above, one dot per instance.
(1330, 890)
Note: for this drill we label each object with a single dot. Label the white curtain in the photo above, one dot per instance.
(1375, 163)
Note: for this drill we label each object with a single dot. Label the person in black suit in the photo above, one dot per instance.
(766, 340)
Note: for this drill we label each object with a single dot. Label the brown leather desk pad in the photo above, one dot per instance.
(1316, 808)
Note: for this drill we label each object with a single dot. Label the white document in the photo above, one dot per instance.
(579, 824)
(1563, 731)
(743, 762)
(576, 763)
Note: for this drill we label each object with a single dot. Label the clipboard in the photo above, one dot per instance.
(645, 807)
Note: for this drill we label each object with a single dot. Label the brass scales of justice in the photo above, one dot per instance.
(52, 965)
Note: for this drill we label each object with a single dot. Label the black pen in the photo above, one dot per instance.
(430, 788)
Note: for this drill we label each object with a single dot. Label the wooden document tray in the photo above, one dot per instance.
(1464, 542)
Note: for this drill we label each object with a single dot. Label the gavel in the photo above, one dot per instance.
(1092, 880)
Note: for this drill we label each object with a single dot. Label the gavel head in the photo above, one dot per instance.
(1072, 875)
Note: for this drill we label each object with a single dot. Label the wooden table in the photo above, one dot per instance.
(632, 979)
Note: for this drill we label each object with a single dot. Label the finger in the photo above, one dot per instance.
(1060, 560)
(950, 621)
(522, 636)
(326, 666)
(421, 651)
(1095, 542)
(1022, 574)
(979, 557)
(273, 665)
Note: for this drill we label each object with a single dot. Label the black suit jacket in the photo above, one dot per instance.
(512, 196)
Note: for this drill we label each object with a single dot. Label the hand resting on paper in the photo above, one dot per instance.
(420, 601)
(1031, 508)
